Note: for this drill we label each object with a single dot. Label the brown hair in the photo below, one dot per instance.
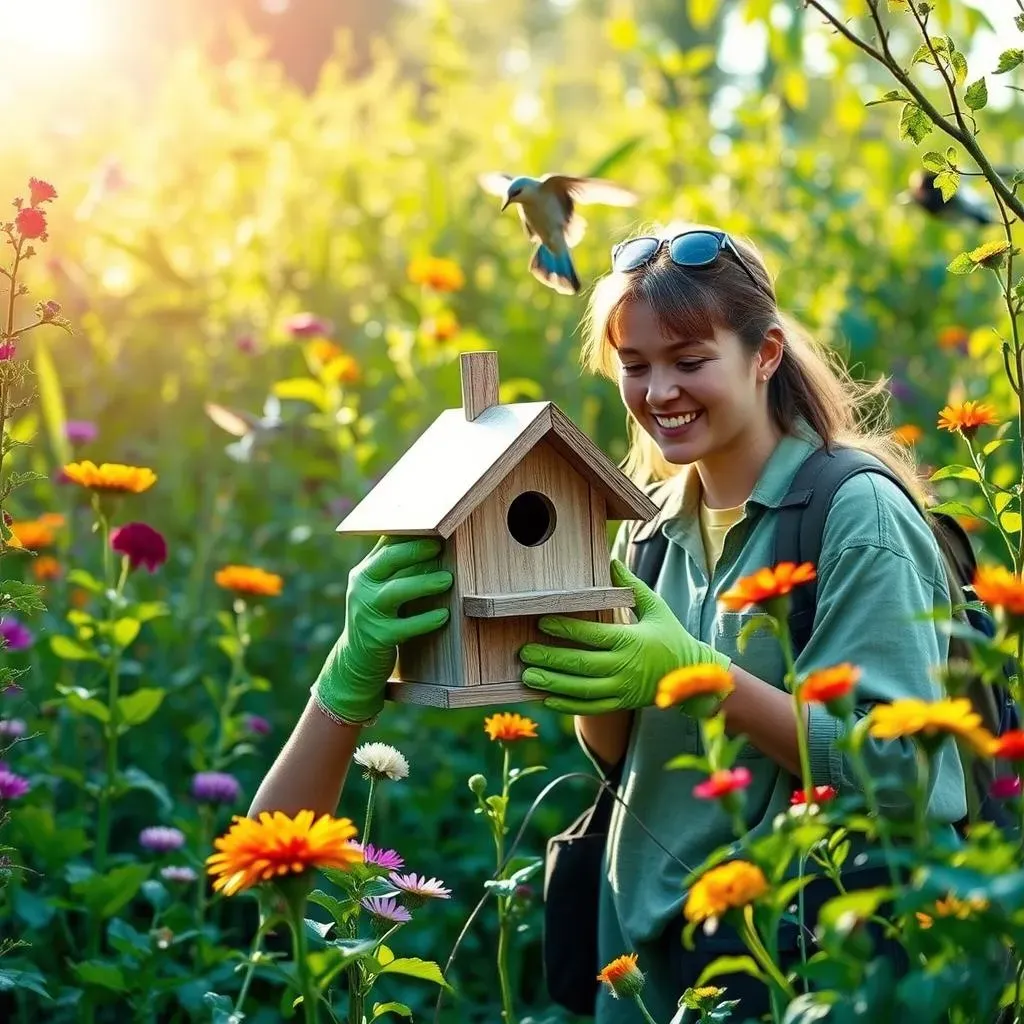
(811, 384)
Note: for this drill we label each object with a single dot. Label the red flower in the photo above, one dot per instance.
(41, 191)
(31, 223)
(819, 795)
(1010, 745)
(141, 544)
(722, 783)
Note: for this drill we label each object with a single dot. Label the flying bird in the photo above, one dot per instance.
(965, 202)
(252, 431)
(547, 208)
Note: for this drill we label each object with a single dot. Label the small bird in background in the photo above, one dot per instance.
(252, 431)
(965, 202)
(547, 208)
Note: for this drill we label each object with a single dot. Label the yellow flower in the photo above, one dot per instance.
(32, 534)
(623, 976)
(506, 726)
(930, 720)
(110, 476)
(953, 906)
(766, 585)
(442, 327)
(726, 887)
(251, 852)
(695, 680)
(435, 272)
(966, 417)
(248, 579)
(343, 368)
(323, 351)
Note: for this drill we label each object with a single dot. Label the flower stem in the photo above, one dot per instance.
(250, 968)
(786, 642)
(307, 987)
(369, 808)
(643, 1010)
(507, 1007)
(763, 958)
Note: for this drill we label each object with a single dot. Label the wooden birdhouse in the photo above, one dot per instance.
(522, 499)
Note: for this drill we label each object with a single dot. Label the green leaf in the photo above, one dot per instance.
(136, 778)
(222, 1009)
(97, 974)
(956, 473)
(531, 390)
(976, 95)
(379, 1009)
(125, 939)
(69, 649)
(962, 264)
(87, 706)
(15, 981)
(338, 909)
(947, 182)
(730, 965)
(892, 96)
(139, 707)
(125, 631)
(914, 123)
(959, 64)
(1010, 59)
(757, 622)
(148, 610)
(22, 597)
(104, 895)
(933, 161)
(993, 445)
(520, 773)
(1010, 522)
(51, 399)
(85, 580)
(688, 762)
(414, 967)
(1001, 499)
(861, 904)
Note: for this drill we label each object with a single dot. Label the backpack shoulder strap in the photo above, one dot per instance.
(645, 556)
(801, 518)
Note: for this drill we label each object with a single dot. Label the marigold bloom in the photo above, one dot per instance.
(40, 191)
(819, 795)
(623, 976)
(52, 520)
(1010, 745)
(248, 579)
(966, 417)
(726, 887)
(506, 727)
(31, 223)
(829, 684)
(323, 351)
(1000, 588)
(930, 720)
(251, 852)
(723, 783)
(442, 327)
(33, 534)
(140, 544)
(682, 684)
(954, 337)
(908, 434)
(45, 568)
(443, 275)
(110, 476)
(766, 585)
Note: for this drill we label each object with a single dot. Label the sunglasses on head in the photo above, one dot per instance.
(697, 248)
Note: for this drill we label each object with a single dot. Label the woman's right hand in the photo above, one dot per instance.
(352, 681)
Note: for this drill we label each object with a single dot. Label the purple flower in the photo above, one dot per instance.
(420, 885)
(389, 860)
(177, 873)
(16, 635)
(12, 690)
(1005, 787)
(307, 325)
(12, 728)
(12, 786)
(387, 908)
(161, 839)
(141, 543)
(81, 431)
(257, 725)
(216, 787)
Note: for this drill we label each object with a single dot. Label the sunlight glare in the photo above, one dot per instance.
(40, 29)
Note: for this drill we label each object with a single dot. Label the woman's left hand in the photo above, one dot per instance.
(620, 666)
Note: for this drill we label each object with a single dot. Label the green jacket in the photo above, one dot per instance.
(880, 568)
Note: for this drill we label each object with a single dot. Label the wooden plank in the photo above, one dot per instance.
(434, 696)
(600, 549)
(479, 382)
(465, 582)
(546, 602)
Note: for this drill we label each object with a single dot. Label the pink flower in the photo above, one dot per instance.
(387, 860)
(81, 431)
(40, 191)
(141, 544)
(12, 786)
(245, 343)
(723, 783)
(7, 351)
(819, 795)
(12, 728)
(386, 908)
(31, 223)
(1005, 787)
(16, 635)
(257, 725)
(161, 838)
(420, 885)
(307, 325)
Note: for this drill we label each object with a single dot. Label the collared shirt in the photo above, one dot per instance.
(880, 569)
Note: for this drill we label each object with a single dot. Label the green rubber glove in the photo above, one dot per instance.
(620, 665)
(351, 684)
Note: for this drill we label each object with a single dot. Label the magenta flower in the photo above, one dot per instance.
(216, 788)
(387, 908)
(1005, 787)
(141, 544)
(161, 839)
(81, 431)
(12, 786)
(7, 351)
(307, 325)
(388, 860)
(12, 728)
(257, 725)
(178, 873)
(420, 885)
(17, 636)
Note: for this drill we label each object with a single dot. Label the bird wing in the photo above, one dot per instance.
(591, 190)
(531, 233)
(233, 422)
(494, 182)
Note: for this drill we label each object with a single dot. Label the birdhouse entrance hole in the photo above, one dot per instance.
(531, 518)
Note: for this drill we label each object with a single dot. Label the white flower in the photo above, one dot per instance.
(382, 761)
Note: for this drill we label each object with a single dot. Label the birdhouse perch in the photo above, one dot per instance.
(522, 499)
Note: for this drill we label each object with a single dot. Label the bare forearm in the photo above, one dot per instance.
(310, 771)
(606, 736)
(765, 714)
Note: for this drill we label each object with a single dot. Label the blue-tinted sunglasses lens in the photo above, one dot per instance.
(634, 253)
(697, 249)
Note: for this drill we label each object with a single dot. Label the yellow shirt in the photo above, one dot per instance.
(715, 523)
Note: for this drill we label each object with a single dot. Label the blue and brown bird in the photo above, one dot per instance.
(965, 203)
(547, 208)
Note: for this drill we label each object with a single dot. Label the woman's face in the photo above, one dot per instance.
(698, 400)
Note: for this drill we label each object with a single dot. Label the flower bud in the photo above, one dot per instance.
(477, 784)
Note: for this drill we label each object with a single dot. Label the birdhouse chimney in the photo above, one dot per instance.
(479, 382)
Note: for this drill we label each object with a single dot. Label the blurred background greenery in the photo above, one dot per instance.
(223, 167)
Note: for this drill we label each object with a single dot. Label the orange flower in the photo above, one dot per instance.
(693, 681)
(908, 434)
(54, 520)
(953, 906)
(726, 887)
(506, 727)
(323, 351)
(435, 272)
(248, 579)
(252, 852)
(442, 327)
(971, 524)
(1000, 588)
(930, 721)
(1010, 745)
(966, 417)
(766, 585)
(110, 476)
(623, 976)
(45, 568)
(344, 369)
(32, 534)
(829, 684)
(954, 337)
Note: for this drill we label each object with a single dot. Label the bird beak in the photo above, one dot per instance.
(504, 205)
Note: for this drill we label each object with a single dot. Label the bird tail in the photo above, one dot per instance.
(555, 270)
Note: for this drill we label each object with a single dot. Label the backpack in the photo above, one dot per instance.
(798, 538)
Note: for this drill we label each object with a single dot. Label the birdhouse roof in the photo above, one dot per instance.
(457, 462)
